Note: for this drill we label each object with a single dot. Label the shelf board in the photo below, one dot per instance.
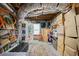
(12, 48)
(4, 42)
(7, 29)
(4, 35)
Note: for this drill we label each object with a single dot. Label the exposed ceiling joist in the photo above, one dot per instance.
(4, 4)
(45, 17)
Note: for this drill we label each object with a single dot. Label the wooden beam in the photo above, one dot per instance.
(42, 17)
(73, 6)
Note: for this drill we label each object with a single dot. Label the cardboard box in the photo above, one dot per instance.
(4, 42)
(60, 19)
(71, 42)
(60, 30)
(65, 53)
(77, 22)
(60, 49)
(69, 51)
(70, 26)
(12, 38)
(78, 43)
(37, 37)
(60, 40)
(78, 31)
(55, 44)
(60, 44)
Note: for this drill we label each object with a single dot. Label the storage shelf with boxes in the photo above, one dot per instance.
(67, 43)
(71, 33)
(7, 29)
(59, 22)
(37, 24)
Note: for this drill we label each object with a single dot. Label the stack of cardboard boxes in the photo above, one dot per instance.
(70, 34)
(60, 28)
(77, 21)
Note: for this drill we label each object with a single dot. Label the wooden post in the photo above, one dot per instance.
(73, 6)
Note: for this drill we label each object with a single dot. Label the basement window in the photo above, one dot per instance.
(36, 29)
(43, 24)
(23, 25)
(48, 24)
(23, 31)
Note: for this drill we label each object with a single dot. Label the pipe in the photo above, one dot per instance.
(4, 4)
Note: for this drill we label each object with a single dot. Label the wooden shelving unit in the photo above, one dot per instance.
(15, 45)
(8, 38)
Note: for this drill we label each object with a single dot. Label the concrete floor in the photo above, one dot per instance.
(36, 48)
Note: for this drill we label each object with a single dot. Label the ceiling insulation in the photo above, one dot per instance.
(36, 9)
(45, 17)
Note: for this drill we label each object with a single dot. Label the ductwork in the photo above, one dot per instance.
(36, 9)
(4, 4)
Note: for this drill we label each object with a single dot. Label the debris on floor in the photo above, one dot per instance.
(39, 48)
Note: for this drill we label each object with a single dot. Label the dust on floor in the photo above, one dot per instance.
(39, 48)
